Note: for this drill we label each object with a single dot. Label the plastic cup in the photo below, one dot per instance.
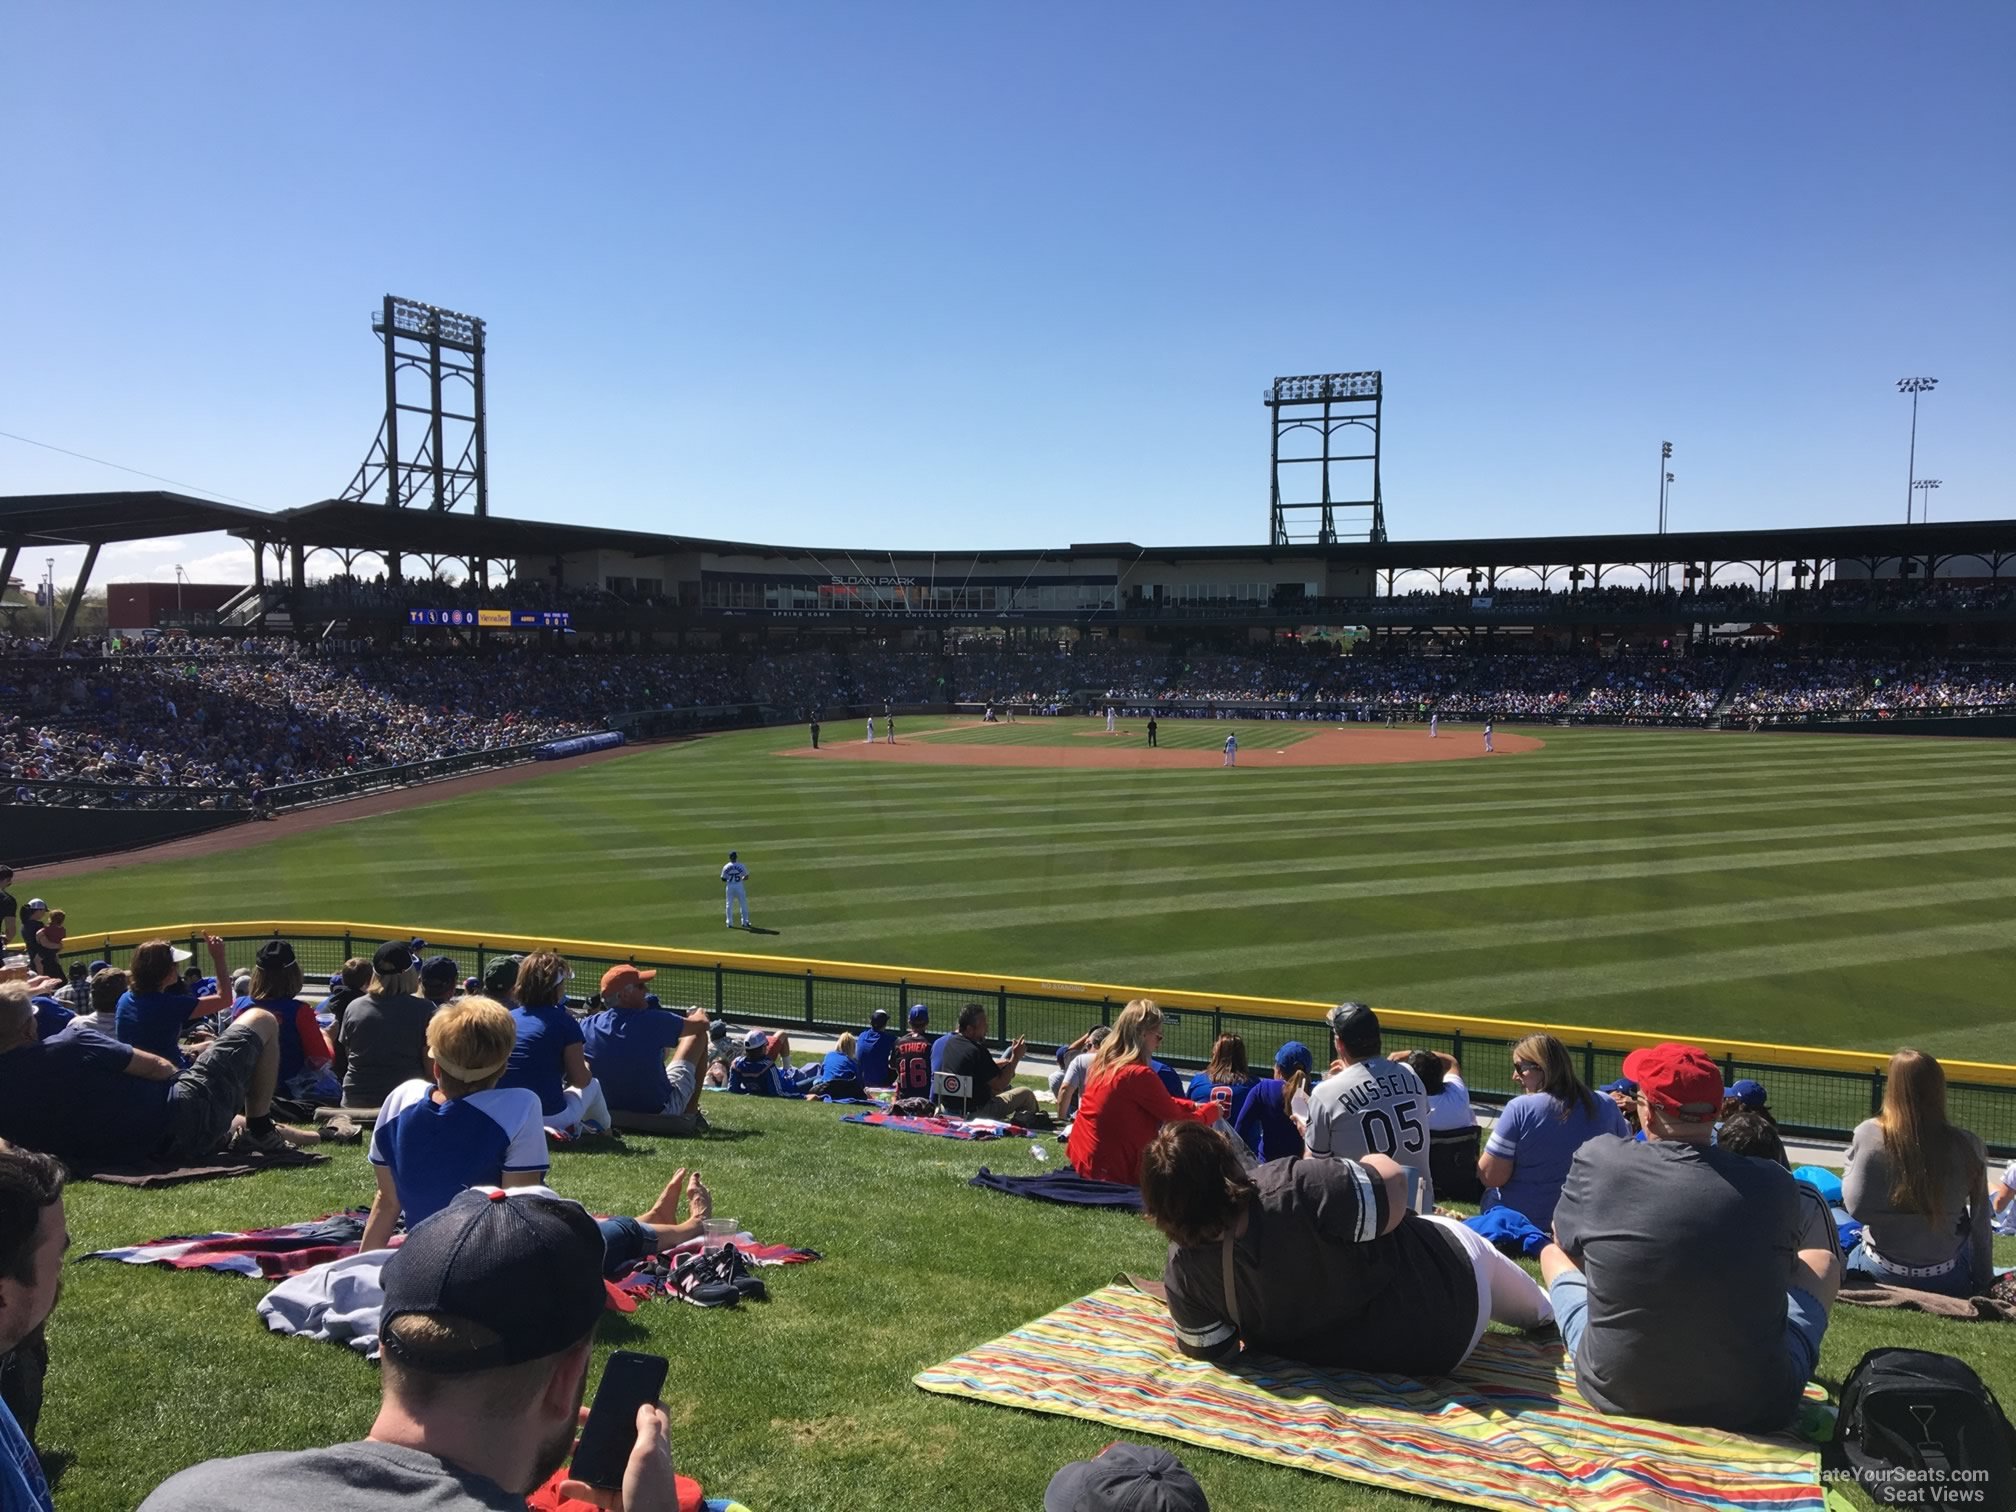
(716, 1232)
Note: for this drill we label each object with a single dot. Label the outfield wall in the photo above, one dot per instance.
(1815, 1092)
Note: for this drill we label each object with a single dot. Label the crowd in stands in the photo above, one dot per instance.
(1870, 686)
(1690, 1272)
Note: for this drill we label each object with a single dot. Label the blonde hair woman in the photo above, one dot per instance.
(1125, 1103)
(1535, 1139)
(1919, 1183)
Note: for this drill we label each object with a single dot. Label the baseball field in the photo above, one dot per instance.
(1830, 890)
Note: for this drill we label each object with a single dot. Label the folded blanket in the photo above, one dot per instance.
(1906, 1299)
(270, 1252)
(1066, 1187)
(1509, 1231)
(944, 1128)
(165, 1173)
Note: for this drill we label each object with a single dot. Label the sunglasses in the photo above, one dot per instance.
(1522, 1067)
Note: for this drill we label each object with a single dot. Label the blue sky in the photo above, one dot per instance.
(950, 276)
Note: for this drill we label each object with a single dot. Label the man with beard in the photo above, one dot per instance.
(481, 1391)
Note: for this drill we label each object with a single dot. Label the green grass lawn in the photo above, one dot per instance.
(802, 1403)
(1832, 890)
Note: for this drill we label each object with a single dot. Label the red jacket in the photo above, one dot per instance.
(1120, 1112)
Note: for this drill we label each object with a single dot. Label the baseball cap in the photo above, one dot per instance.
(1623, 1084)
(919, 1014)
(1125, 1478)
(1752, 1094)
(36, 905)
(478, 1260)
(1294, 1054)
(440, 969)
(1349, 1020)
(756, 1042)
(179, 956)
(97, 966)
(392, 958)
(718, 1029)
(623, 976)
(275, 955)
(879, 1017)
(1678, 1077)
(501, 975)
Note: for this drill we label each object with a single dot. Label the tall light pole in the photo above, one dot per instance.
(1924, 487)
(1914, 387)
(1665, 477)
(49, 578)
(180, 576)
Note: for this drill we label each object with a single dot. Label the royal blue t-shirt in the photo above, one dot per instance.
(872, 1048)
(1264, 1124)
(287, 1014)
(50, 1017)
(1169, 1078)
(838, 1067)
(543, 1037)
(626, 1051)
(1230, 1096)
(155, 1021)
(1540, 1138)
(938, 1048)
(435, 1150)
(71, 1097)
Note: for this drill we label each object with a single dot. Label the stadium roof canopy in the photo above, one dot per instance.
(94, 519)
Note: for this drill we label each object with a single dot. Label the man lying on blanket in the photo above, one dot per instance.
(1321, 1260)
(90, 1100)
(435, 1139)
(481, 1392)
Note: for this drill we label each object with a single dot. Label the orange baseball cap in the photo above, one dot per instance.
(619, 976)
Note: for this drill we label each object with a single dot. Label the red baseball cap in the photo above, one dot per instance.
(619, 976)
(1678, 1077)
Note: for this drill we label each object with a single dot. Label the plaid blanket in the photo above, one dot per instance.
(944, 1128)
(1507, 1431)
(272, 1253)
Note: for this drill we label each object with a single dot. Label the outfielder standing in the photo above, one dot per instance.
(1151, 730)
(871, 729)
(1231, 750)
(1109, 719)
(889, 726)
(1487, 737)
(1433, 721)
(733, 875)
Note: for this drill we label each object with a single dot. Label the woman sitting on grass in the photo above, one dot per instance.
(1267, 1120)
(1226, 1081)
(550, 1058)
(1527, 1156)
(1125, 1102)
(1452, 1129)
(1919, 1184)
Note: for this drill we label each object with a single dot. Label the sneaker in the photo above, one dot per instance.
(702, 1280)
(342, 1129)
(244, 1142)
(737, 1273)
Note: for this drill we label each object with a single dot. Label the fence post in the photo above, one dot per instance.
(1106, 1011)
(1456, 1047)
(718, 996)
(1001, 1008)
(1875, 1094)
(1588, 1063)
(348, 949)
(808, 999)
(1217, 1022)
(902, 992)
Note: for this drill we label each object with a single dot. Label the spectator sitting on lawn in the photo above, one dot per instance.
(500, 979)
(434, 1139)
(1266, 1119)
(914, 1055)
(1323, 1260)
(1749, 1131)
(384, 1032)
(275, 985)
(481, 1391)
(720, 1053)
(345, 987)
(763, 1068)
(647, 1059)
(1526, 1158)
(33, 1239)
(1070, 1086)
(1669, 1269)
(108, 984)
(994, 1093)
(94, 1101)
(440, 980)
(1226, 1080)
(1753, 1095)
(2003, 1201)
(1919, 1184)
(838, 1075)
(1369, 1104)
(872, 1052)
(1623, 1095)
(1125, 1102)
(1453, 1134)
(156, 1008)
(550, 1058)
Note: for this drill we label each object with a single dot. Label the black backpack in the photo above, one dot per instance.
(1923, 1430)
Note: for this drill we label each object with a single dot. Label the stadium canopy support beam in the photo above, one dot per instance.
(1311, 414)
(76, 597)
(7, 565)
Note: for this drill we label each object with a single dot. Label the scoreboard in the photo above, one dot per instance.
(492, 619)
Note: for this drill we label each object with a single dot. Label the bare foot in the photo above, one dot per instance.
(665, 1210)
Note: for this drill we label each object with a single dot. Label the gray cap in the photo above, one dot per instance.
(1125, 1478)
(1350, 1020)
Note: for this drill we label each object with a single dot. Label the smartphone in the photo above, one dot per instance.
(628, 1381)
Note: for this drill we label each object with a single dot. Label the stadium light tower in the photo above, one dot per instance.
(1321, 406)
(1924, 486)
(1914, 387)
(1665, 477)
(425, 345)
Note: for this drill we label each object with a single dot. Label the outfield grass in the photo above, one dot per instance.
(804, 1403)
(1842, 890)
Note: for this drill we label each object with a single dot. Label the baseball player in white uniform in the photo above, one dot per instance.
(1433, 721)
(1487, 737)
(733, 875)
(1109, 719)
(871, 729)
(1231, 750)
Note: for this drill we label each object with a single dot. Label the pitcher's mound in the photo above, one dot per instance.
(1338, 746)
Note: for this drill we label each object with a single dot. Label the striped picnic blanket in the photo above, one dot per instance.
(1507, 1431)
(273, 1253)
(944, 1128)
